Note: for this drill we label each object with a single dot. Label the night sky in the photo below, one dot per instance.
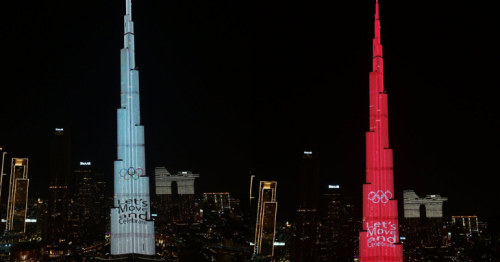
(229, 87)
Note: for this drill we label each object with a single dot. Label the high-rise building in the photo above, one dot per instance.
(17, 204)
(132, 229)
(423, 219)
(470, 224)
(221, 200)
(88, 213)
(337, 237)
(379, 240)
(174, 196)
(265, 227)
(306, 234)
(60, 167)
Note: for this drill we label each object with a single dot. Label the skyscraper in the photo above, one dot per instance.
(88, 217)
(265, 227)
(174, 195)
(306, 248)
(423, 219)
(379, 240)
(221, 200)
(132, 229)
(57, 224)
(470, 224)
(17, 204)
(337, 231)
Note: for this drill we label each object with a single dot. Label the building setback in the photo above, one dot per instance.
(379, 240)
(132, 229)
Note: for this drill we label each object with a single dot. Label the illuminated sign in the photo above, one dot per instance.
(380, 196)
(308, 152)
(84, 163)
(433, 195)
(133, 211)
(184, 173)
(333, 186)
(381, 234)
(59, 129)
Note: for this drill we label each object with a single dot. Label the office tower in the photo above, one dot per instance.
(306, 234)
(337, 237)
(17, 204)
(88, 214)
(265, 227)
(174, 196)
(379, 240)
(423, 219)
(221, 200)
(57, 222)
(470, 224)
(132, 229)
(41, 218)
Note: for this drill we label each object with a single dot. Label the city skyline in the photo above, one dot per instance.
(202, 122)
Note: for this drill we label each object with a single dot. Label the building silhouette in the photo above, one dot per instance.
(17, 204)
(307, 212)
(265, 227)
(88, 207)
(60, 167)
(174, 196)
(337, 230)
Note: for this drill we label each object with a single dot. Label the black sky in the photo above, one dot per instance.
(233, 86)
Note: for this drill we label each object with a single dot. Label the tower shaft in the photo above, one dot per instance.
(379, 240)
(132, 230)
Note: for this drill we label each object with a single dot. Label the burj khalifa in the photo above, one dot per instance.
(132, 230)
(379, 240)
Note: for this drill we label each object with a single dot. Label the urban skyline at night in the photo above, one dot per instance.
(236, 90)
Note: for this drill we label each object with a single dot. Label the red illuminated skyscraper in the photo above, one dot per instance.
(379, 240)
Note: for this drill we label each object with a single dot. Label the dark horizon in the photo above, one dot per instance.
(233, 88)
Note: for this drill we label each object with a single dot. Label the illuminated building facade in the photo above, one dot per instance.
(17, 204)
(265, 227)
(337, 230)
(423, 219)
(132, 229)
(379, 239)
(221, 200)
(88, 213)
(60, 168)
(174, 196)
(470, 224)
(306, 234)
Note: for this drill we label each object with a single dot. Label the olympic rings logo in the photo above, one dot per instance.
(131, 172)
(380, 196)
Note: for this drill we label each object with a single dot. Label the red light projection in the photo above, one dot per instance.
(379, 240)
